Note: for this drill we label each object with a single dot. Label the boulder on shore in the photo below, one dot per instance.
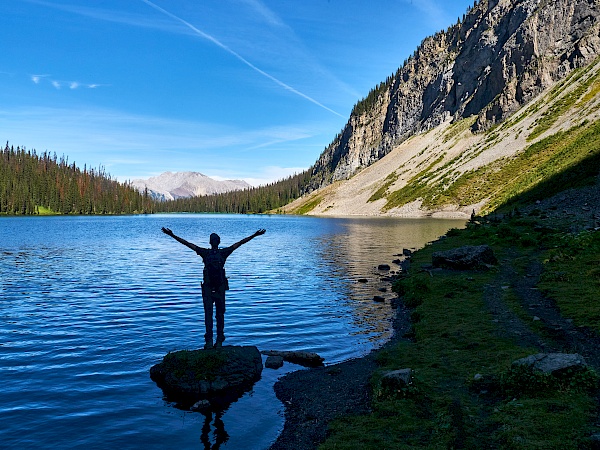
(469, 257)
(306, 359)
(220, 375)
(395, 383)
(552, 363)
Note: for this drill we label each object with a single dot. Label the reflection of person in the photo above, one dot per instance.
(221, 436)
(214, 281)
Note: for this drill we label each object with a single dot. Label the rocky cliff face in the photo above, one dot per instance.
(502, 54)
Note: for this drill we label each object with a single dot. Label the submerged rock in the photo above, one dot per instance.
(201, 405)
(307, 359)
(219, 375)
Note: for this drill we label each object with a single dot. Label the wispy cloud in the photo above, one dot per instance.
(137, 20)
(37, 78)
(58, 84)
(292, 46)
(107, 15)
(238, 56)
(101, 137)
(262, 10)
(434, 10)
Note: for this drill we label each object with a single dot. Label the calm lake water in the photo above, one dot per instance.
(89, 304)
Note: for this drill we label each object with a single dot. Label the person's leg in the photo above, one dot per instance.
(207, 300)
(220, 314)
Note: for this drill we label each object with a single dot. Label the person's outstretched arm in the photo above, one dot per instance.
(168, 232)
(246, 239)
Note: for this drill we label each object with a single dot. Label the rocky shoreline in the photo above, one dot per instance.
(314, 397)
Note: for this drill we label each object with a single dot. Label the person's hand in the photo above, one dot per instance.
(259, 232)
(167, 231)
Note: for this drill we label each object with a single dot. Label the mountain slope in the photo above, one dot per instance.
(170, 186)
(450, 170)
(501, 56)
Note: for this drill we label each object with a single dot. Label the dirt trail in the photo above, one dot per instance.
(558, 333)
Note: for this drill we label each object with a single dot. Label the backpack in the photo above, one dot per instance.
(214, 269)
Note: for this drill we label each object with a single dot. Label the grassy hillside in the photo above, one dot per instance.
(449, 170)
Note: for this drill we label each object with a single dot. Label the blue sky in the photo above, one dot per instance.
(235, 89)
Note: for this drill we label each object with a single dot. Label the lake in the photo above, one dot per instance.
(89, 304)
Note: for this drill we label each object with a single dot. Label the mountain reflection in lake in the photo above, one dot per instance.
(356, 251)
(88, 304)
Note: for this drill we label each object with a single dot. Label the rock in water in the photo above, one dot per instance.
(303, 358)
(274, 362)
(219, 375)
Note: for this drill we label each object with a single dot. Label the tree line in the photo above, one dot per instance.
(32, 183)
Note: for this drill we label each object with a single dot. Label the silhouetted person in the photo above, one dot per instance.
(214, 281)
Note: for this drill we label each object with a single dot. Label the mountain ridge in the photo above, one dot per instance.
(447, 99)
(174, 185)
(503, 54)
(451, 171)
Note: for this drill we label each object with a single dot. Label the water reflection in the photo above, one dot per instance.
(88, 304)
(220, 436)
(353, 250)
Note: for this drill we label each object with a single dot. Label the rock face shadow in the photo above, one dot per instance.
(209, 380)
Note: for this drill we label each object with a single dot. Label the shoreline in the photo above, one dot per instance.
(314, 397)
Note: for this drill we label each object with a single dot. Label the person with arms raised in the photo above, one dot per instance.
(214, 282)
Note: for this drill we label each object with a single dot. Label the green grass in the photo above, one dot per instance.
(548, 423)
(455, 338)
(380, 193)
(503, 180)
(414, 189)
(309, 205)
(572, 277)
(43, 211)
(458, 127)
(566, 102)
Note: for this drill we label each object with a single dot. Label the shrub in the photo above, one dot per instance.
(525, 381)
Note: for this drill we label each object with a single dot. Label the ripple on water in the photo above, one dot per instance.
(87, 305)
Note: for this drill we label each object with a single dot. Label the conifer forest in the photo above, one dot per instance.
(32, 183)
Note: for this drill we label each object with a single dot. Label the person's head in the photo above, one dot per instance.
(215, 240)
